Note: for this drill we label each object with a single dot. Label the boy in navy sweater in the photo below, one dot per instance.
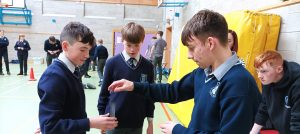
(101, 54)
(280, 95)
(225, 94)
(3, 52)
(130, 109)
(62, 105)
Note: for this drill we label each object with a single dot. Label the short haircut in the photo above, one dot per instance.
(204, 24)
(133, 33)
(52, 38)
(21, 35)
(161, 33)
(76, 31)
(100, 41)
(270, 57)
(235, 45)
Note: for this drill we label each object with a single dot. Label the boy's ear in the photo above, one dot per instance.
(64, 45)
(211, 43)
(279, 69)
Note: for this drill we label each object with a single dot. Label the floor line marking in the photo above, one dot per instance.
(166, 112)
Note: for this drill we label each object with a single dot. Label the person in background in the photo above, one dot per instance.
(92, 54)
(85, 67)
(149, 51)
(233, 41)
(22, 47)
(53, 48)
(100, 56)
(280, 93)
(130, 109)
(222, 105)
(62, 100)
(4, 42)
(233, 44)
(158, 51)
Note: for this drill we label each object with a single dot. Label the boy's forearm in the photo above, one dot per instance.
(255, 129)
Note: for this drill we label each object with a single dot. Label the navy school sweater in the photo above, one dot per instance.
(227, 106)
(62, 105)
(4, 42)
(130, 108)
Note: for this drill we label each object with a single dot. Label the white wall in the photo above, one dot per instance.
(50, 16)
(289, 38)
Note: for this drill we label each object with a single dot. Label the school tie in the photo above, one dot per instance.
(76, 72)
(209, 77)
(131, 62)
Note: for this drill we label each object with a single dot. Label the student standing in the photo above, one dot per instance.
(158, 52)
(225, 94)
(22, 47)
(4, 42)
(62, 104)
(130, 109)
(101, 54)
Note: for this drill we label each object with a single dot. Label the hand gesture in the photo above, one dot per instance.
(121, 85)
(103, 122)
(167, 127)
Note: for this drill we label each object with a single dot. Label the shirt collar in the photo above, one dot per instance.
(223, 68)
(127, 57)
(66, 61)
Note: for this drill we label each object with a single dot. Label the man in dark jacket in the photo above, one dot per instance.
(281, 93)
(3, 52)
(53, 47)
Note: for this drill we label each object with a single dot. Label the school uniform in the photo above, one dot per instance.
(101, 54)
(225, 100)
(129, 108)
(62, 104)
(22, 48)
(4, 42)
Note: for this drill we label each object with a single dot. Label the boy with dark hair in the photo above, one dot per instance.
(157, 53)
(53, 48)
(62, 105)
(280, 94)
(4, 42)
(225, 94)
(130, 109)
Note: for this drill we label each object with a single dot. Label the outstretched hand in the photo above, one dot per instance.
(121, 85)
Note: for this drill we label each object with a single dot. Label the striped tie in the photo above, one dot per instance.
(131, 62)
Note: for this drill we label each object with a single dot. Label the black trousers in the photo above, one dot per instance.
(157, 62)
(4, 54)
(23, 62)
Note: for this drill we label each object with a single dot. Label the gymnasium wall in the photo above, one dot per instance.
(50, 16)
(289, 37)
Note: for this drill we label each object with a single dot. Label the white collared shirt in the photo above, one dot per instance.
(66, 61)
(127, 57)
